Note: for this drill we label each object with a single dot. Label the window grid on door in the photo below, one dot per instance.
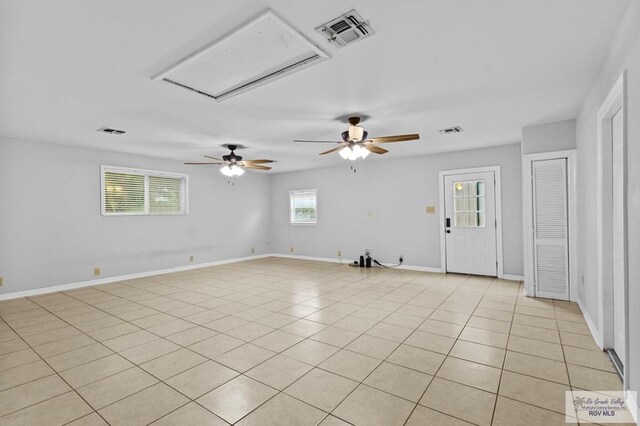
(468, 204)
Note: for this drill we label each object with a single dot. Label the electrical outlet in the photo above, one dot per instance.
(253, 250)
(367, 251)
(431, 210)
(291, 249)
(1, 281)
(339, 253)
(96, 272)
(190, 259)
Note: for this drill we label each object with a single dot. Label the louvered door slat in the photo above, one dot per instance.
(551, 259)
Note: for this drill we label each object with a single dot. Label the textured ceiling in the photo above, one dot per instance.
(491, 66)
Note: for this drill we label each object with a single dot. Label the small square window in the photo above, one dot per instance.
(303, 207)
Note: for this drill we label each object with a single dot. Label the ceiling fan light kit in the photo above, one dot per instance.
(232, 170)
(357, 144)
(354, 152)
(233, 165)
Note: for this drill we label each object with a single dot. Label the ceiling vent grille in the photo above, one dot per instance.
(110, 131)
(451, 130)
(346, 29)
(261, 51)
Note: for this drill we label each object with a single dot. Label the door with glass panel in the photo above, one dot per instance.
(470, 223)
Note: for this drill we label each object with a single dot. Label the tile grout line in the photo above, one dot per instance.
(60, 377)
(389, 290)
(504, 360)
(317, 366)
(138, 365)
(456, 340)
(339, 348)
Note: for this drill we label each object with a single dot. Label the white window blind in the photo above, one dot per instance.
(303, 206)
(123, 193)
(142, 192)
(165, 195)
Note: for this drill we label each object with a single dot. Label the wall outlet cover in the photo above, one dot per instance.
(431, 210)
(96, 272)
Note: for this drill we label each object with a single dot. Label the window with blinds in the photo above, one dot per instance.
(142, 192)
(303, 207)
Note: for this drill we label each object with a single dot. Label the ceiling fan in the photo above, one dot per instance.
(357, 144)
(233, 164)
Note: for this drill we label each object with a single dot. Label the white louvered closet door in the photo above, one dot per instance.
(551, 242)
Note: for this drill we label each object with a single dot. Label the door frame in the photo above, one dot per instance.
(498, 209)
(616, 99)
(527, 208)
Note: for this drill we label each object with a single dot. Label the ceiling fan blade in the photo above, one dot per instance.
(396, 138)
(204, 164)
(342, 145)
(254, 166)
(214, 158)
(298, 140)
(374, 149)
(258, 161)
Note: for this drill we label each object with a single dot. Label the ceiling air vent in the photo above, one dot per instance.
(451, 130)
(346, 29)
(261, 51)
(110, 131)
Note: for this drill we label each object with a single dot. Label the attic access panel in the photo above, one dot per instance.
(261, 51)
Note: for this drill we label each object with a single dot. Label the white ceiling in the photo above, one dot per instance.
(490, 66)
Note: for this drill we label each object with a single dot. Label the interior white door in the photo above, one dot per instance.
(470, 223)
(617, 157)
(550, 228)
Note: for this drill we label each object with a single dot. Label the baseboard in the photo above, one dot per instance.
(421, 268)
(312, 258)
(512, 277)
(108, 280)
(592, 326)
(632, 404)
(346, 261)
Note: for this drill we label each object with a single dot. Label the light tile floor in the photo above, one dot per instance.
(289, 342)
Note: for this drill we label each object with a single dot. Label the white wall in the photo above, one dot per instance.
(52, 232)
(383, 207)
(625, 54)
(548, 137)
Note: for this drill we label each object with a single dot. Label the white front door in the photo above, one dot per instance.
(617, 157)
(470, 223)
